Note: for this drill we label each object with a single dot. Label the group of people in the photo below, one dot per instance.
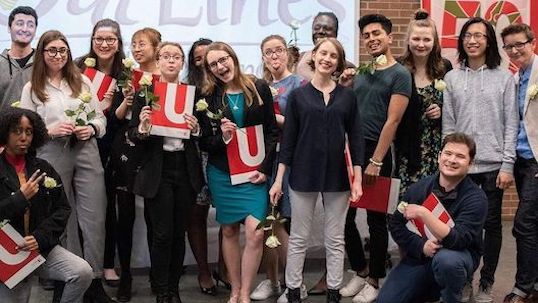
(464, 134)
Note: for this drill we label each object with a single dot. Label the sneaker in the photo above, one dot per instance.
(484, 294)
(368, 294)
(513, 298)
(333, 296)
(265, 290)
(466, 292)
(353, 286)
(284, 299)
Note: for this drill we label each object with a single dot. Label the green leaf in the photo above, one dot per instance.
(260, 225)
(69, 113)
(80, 122)
(91, 115)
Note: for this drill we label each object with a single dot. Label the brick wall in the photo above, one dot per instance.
(400, 12)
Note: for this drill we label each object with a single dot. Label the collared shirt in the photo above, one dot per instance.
(523, 147)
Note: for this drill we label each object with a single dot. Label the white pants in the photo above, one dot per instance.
(303, 204)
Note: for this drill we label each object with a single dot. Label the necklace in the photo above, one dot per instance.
(234, 100)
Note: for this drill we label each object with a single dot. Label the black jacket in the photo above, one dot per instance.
(149, 169)
(212, 142)
(49, 208)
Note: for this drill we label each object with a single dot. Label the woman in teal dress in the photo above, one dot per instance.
(243, 101)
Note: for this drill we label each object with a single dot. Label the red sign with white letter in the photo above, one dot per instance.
(101, 83)
(438, 210)
(15, 265)
(246, 152)
(175, 100)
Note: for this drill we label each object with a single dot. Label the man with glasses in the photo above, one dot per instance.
(519, 44)
(480, 100)
(16, 62)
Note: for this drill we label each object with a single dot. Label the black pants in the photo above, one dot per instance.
(492, 227)
(526, 224)
(377, 225)
(167, 213)
(111, 222)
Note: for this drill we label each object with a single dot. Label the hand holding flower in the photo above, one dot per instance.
(433, 112)
(145, 120)
(192, 122)
(83, 133)
(228, 128)
(63, 129)
(275, 192)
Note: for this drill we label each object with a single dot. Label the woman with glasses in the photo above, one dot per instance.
(244, 101)
(124, 157)
(57, 90)
(107, 50)
(169, 178)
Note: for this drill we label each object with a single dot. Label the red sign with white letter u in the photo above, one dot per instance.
(175, 100)
(246, 152)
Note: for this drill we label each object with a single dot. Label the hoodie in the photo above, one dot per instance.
(482, 103)
(12, 78)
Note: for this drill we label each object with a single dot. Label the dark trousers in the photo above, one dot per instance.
(377, 225)
(526, 224)
(444, 275)
(167, 213)
(111, 222)
(493, 225)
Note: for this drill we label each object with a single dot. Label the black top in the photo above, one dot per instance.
(314, 138)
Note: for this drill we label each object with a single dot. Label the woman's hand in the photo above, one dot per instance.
(31, 187)
(145, 120)
(128, 95)
(83, 133)
(192, 123)
(257, 178)
(63, 129)
(356, 190)
(228, 128)
(433, 112)
(275, 193)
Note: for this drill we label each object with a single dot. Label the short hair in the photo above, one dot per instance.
(493, 58)
(11, 116)
(25, 10)
(341, 65)
(330, 15)
(461, 138)
(375, 18)
(517, 28)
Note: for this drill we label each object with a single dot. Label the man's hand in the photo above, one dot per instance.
(30, 243)
(504, 180)
(346, 78)
(431, 247)
(414, 211)
(31, 187)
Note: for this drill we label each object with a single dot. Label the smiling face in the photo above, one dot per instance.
(170, 62)
(53, 57)
(221, 65)
(199, 54)
(475, 41)
(325, 58)
(22, 29)
(520, 48)
(142, 49)
(275, 56)
(421, 41)
(322, 27)
(105, 43)
(20, 137)
(454, 160)
(375, 39)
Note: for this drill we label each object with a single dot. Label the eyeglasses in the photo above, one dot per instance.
(517, 45)
(222, 61)
(278, 51)
(53, 51)
(175, 58)
(108, 40)
(140, 46)
(19, 131)
(477, 36)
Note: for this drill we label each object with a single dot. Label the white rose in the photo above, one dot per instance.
(440, 85)
(201, 105)
(402, 206)
(90, 62)
(16, 104)
(274, 91)
(146, 80)
(49, 182)
(85, 97)
(295, 24)
(272, 242)
(532, 91)
(128, 63)
(381, 60)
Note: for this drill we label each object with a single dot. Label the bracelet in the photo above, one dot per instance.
(375, 163)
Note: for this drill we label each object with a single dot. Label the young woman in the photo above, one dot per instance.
(245, 101)
(419, 136)
(321, 114)
(58, 86)
(197, 220)
(276, 72)
(107, 50)
(124, 156)
(169, 178)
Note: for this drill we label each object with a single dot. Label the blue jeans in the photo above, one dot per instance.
(445, 275)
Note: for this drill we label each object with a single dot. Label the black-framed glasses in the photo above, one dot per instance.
(108, 40)
(278, 51)
(477, 36)
(517, 45)
(53, 51)
(221, 60)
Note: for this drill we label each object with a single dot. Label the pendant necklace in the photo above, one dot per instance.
(234, 102)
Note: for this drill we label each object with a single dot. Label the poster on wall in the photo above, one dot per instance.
(450, 15)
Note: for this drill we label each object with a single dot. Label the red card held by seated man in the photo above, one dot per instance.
(101, 83)
(246, 152)
(175, 100)
(15, 265)
(433, 204)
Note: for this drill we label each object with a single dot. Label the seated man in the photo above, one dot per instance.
(447, 262)
(38, 210)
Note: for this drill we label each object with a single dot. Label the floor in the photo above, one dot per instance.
(190, 292)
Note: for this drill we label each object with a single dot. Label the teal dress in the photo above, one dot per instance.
(235, 202)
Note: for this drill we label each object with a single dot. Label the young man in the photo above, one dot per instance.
(383, 97)
(446, 263)
(16, 62)
(519, 44)
(38, 210)
(480, 101)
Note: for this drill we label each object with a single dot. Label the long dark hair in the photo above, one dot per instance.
(493, 58)
(195, 74)
(118, 57)
(11, 116)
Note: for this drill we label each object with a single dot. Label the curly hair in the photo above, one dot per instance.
(11, 117)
